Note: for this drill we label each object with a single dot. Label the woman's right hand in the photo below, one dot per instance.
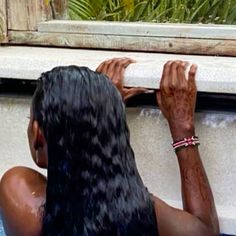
(114, 69)
(177, 98)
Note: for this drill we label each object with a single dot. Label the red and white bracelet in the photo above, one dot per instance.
(186, 142)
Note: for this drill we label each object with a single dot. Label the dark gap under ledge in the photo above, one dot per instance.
(205, 101)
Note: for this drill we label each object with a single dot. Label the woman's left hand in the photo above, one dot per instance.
(115, 69)
(177, 98)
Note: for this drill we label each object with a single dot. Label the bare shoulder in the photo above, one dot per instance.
(22, 196)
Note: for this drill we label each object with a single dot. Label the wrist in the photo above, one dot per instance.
(182, 130)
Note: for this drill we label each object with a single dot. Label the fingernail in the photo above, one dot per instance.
(194, 67)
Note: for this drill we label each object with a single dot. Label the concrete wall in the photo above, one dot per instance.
(151, 141)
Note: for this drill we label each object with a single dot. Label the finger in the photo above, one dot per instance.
(141, 89)
(103, 67)
(99, 67)
(192, 85)
(124, 59)
(120, 67)
(127, 58)
(110, 68)
(165, 76)
(125, 62)
(191, 77)
(159, 103)
(181, 76)
(185, 64)
(135, 91)
(158, 96)
(173, 80)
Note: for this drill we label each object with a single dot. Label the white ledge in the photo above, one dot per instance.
(215, 74)
(202, 31)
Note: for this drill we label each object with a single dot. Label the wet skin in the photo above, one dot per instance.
(22, 190)
(22, 196)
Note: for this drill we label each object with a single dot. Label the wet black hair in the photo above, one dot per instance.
(93, 187)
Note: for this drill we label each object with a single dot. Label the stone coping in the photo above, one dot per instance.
(215, 74)
(199, 31)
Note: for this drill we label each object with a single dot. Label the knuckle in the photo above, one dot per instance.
(193, 89)
(118, 63)
(192, 73)
(115, 81)
(106, 63)
(183, 87)
(172, 86)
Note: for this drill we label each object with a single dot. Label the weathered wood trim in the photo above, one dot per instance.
(60, 9)
(115, 42)
(3, 21)
(144, 29)
(26, 14)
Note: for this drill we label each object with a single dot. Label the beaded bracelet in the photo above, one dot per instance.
(189, 141)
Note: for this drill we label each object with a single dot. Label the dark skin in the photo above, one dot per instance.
(22, 195)
(115, 70)
(22, 190)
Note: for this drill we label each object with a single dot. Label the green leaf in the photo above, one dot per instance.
(232, 16)
(194, 11)
(199, 10)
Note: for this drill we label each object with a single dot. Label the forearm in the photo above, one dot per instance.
(196, 191)
(177, 100)
(197, 196)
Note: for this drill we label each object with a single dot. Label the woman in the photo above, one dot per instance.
(78, 132)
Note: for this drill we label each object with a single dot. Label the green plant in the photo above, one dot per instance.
(181, 11)
(1, 25)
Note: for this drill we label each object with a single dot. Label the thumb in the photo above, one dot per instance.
(159, 102)
(135, 91)
(191, 77)
(158, 96)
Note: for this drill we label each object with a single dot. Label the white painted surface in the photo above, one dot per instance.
(155, 158)
(14, 118)
(215, 74)
(203, 31)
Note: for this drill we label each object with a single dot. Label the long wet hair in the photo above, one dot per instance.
(93, 187)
